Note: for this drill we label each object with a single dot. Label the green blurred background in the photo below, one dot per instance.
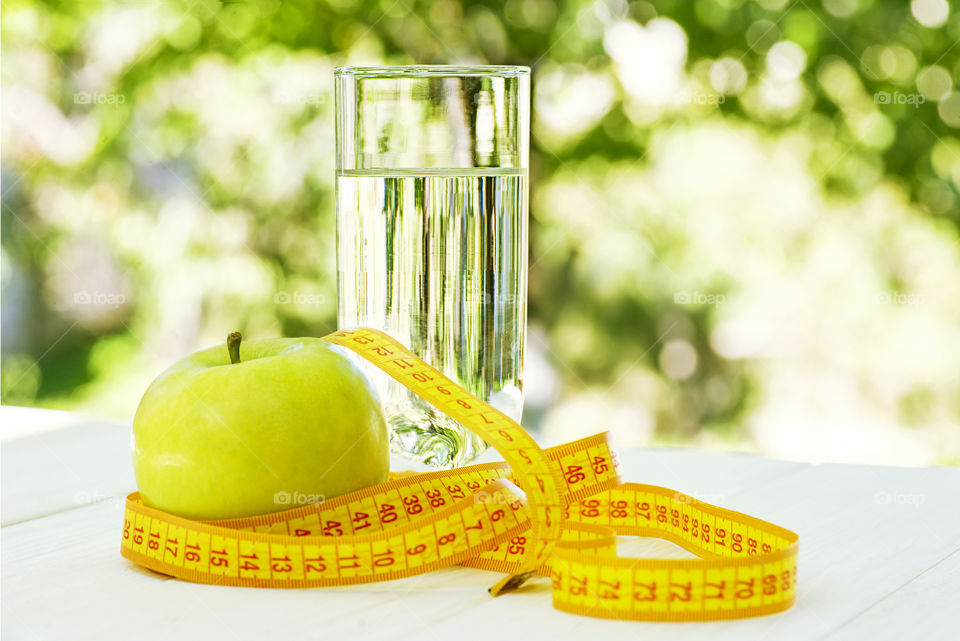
(744, 213)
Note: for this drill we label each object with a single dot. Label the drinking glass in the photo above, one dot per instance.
(432, 234)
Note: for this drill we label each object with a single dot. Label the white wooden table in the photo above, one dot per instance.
(879, 556)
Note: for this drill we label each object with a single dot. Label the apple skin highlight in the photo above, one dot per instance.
(293, 421)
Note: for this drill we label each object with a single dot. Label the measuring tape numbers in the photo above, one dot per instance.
(550, 512)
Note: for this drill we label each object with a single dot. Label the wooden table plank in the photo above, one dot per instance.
(928, 604)
(64, 468)
(17, 422)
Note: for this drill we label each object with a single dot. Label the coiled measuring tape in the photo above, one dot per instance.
(553, 512)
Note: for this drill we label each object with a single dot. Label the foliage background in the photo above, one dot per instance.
(744, 213)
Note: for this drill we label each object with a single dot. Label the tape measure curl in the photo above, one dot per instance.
(553, 512)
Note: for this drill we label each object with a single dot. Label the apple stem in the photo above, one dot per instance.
(233, 346)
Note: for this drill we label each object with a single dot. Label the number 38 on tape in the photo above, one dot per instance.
(554, 513)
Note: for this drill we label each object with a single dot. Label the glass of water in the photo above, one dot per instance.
(432, 234)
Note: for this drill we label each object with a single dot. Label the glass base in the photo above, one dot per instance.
(423, 434)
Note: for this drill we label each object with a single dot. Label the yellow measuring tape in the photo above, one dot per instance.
(563, 524)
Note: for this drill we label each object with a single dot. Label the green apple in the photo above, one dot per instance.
(224, 434)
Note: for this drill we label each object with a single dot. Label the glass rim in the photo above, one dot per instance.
(438, 71)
